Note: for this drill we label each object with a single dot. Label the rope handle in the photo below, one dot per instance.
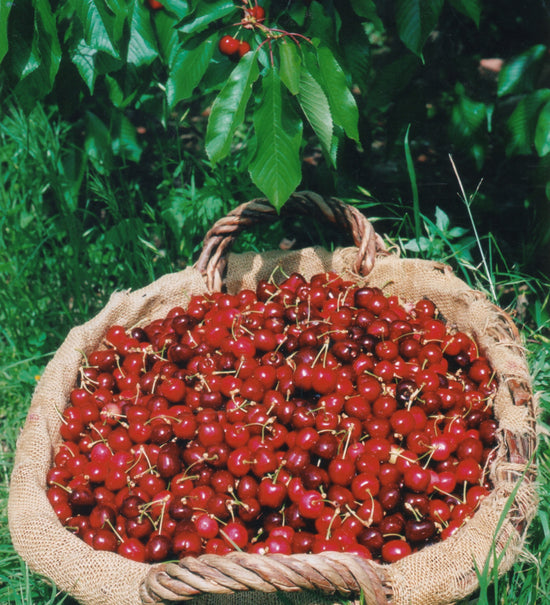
(328, 572)
(218, 240)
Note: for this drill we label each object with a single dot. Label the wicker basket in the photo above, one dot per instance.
(437, 574)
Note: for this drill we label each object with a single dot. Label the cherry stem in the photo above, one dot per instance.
(119, 537)
(362, 521)
(328, 532)
(416, 513)
(65, 488)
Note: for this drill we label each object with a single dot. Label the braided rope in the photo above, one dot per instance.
(222, 234)
(237, 571)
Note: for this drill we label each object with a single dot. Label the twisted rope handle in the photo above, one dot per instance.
(220, 237)
(329, 572)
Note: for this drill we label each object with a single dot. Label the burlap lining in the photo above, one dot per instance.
(436, 575)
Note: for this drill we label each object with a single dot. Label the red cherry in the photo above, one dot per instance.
(207, 526)
(394, 550)
(341, 471)
(417, 478)
(228, 45)
(235, 535)
(158, 548)
(468, 470)
(310, 504)
(258, 14)
(244, 47)
(186, 543)
(104, 539)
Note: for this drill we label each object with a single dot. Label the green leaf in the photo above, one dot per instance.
(390, 81)
(180, 8)
(20, 47)
(118, 15)
(124, 86)
(48, 48)
(40, 66)
(414, 184)
(519, 74)
(323, 26)
(5, 8)
(97, 143)
(83, 56)
(167, 35)
(468, 126)
(276, 168)
(542, 131)
(187, 67)
(291, 64)
(367, 9)
(416, 19)
(125, 141)
(342, 103)
(97, 25)
(142, 47)
(522, 123)
(441, 219)
(357, 55)
(229, 107)
(206, 13)
(315, 106)
(468, 118)
(47, 43)
(457, 232)
(470, 8)
(298, 12)
(418, 245)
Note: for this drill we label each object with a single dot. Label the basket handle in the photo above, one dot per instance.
(213, 258)
(329, 572)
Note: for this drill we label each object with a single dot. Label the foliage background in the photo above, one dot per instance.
(124, 133)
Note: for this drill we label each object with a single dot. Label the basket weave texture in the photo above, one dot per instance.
(436, 575)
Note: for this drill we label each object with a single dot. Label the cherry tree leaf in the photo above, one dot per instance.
(519, 74)
(229, 107)
(187, 67)
(206, 13)
(5, 8)
(276, 167)
(315, 105)
(542, 131)
(470, 8)
(36, 60)
(416, 19)
(342, 103)
(367, 9)
(522, 123)
(291, 64)
(97, 23)
(142, 46)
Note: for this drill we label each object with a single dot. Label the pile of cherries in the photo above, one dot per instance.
(297, 418)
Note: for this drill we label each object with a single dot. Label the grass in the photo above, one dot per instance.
(70, 236)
